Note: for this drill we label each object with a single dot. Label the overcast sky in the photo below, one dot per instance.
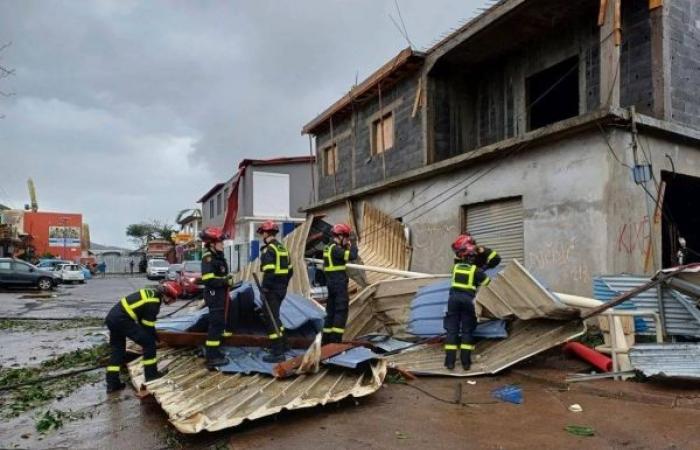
(125, 110)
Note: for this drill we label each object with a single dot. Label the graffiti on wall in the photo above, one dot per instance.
(634, 237)
(560, 258)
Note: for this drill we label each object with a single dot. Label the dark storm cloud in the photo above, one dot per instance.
(130, 110)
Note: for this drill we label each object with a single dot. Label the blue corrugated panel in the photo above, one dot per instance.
(181, 322)
(603, 291)
(385, 342)
(287, 227)
(250, 360)
(254, 250)
(428, 311)
(352, 358)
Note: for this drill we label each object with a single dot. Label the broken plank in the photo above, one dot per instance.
(287, 368)
(192, 339)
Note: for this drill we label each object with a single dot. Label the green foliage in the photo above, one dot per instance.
(55, 419)
(47, 255)
(49, 325)
(140, 233)
(77, 358)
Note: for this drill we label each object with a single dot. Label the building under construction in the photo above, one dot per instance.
(562, 134)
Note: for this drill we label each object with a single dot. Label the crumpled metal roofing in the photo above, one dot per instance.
(515, 293)
(526, 338)
(681, 317)
(668, 360)
(196, 399)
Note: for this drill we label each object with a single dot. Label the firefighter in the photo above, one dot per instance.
(216, 280)
(335, 256)
(276, 265)
(461, 316)
(134, 317)
(485, 257)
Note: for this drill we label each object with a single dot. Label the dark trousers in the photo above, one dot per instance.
(215, 300)
(274, 297)
(122, 327)
(336, 308)
(460, 320)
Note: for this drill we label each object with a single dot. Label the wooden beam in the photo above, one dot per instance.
(601, 12)
(417, 101)
(610, 57)
(287, 368)
(193, 339)
(653, 4)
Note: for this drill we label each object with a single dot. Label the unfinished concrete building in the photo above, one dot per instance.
(562, 134)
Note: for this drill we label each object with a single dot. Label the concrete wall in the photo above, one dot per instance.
(217, 220)
(357, 166)
(631, 229)
(562, 185)
(300, 187)
(683, 31)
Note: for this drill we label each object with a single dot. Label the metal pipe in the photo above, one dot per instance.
(400, 273)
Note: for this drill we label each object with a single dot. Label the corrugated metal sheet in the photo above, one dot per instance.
(382, 243)
(668, 360)
(197, 399)
(499, 225)
(296, 244)
(526, 338)
(516, 293)
(681, 317)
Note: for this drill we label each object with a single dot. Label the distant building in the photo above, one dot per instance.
(54, 232)
(159, 248)
(187, 244)
(262, 189)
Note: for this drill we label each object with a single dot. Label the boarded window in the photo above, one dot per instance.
(330, 160)
(211, 208)
(497, 225)
(218, 204)
(383, 134)
(225, 199)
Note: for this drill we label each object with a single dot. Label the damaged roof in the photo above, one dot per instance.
(679, 360)
(196, 399)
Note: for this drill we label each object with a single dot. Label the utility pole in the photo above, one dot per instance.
(64, 220)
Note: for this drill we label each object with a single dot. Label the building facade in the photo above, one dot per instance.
(275, 189)
(528, 131)
(59, 234)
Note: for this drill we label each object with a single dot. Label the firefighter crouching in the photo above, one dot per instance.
(460, 320)
(335, 256)
(276, 265)
(216, 280)
(134, 317)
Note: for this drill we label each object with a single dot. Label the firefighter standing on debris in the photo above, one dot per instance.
(460, 320)
(216, 280)
(335, 257)
(485, 257)
(134, 317)
(277, 269)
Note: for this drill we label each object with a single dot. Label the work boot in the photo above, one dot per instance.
(216, 362)
(466, 357)
(450, 358)
(327, 338)
(276, 352)
(114, 384)
(151, 372)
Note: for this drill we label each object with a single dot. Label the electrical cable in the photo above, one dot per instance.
(449, 402)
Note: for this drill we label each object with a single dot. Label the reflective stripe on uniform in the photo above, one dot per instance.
(328, 330)
(146, 297)
(273, 336)
(113, 368)
(148, 323)
(266, 267)
(467, 346)
(279, 267)
(227, 334)
(450, 347)
(492, 255)
(337, 330)
(486, 281)
(212, 343)
(148, 362)
(210, 276)
(328, 265)
(463, 277)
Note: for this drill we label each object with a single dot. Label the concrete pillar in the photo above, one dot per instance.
(610, 54)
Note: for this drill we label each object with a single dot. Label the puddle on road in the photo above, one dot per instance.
(45, 295)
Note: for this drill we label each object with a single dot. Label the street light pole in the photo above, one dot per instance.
(65, 221)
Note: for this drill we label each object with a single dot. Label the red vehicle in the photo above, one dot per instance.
(190, 278)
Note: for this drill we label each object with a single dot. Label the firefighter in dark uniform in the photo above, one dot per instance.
(335, 256)
(216, 280)
(134, 317)
(276, 265)
(485, 257)
(460, 320)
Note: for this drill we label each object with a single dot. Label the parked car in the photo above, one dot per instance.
(190, 278)
(174, 271)
(156, 269)
(15, 272)
(70, 273)
(50, 264)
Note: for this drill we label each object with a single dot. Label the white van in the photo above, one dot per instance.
(156, 269)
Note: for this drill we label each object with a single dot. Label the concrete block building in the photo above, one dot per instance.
(563, 134)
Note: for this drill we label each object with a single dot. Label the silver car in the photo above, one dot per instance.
(174, 271)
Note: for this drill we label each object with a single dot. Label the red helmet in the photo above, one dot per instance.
(463, 245)
(470, 238)
(268, 226)
(171, 289)
(340, 229)
(212, 234)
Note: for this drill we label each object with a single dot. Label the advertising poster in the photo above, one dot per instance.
(64, 236)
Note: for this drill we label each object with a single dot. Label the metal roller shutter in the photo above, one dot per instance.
(499, 226)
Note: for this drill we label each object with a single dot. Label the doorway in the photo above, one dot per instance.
(681, 218)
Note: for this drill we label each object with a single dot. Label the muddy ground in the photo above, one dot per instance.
(624, 415)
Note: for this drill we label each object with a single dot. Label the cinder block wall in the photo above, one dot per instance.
(683, 31)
